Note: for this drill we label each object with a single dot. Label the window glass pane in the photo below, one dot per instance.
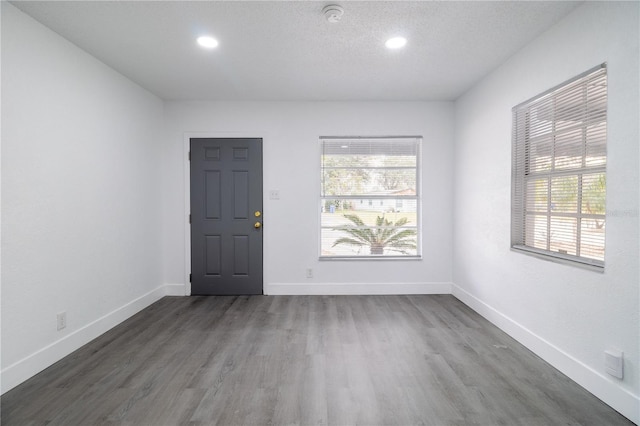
(597, 100)
(540, 120)
(379, 182)
(345, 181)
(537, 195)
(594, 187)
(536, 231)
(352, 228)
(597, 145)
(564, 194)
(363, 242)
(569, 108)
(569, 150)
(338, 208)
(346, 160)
(592, 239)
(563, 235)
(541, 151)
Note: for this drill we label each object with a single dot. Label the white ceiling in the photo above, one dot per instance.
(286, 50)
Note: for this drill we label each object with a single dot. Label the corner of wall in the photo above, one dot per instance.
(36, 362)
(602, 387)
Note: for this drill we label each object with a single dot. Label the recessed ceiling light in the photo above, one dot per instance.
(207, 42)
(396, 42)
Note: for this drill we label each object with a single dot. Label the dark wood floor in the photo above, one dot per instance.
(309, 360)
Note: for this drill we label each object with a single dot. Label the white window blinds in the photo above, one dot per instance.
(559, 171)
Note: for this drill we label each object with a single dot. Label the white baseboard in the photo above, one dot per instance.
(31, 365)
(175, 290)
(326, 289)
(598, 384)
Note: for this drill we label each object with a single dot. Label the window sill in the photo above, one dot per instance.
(559, 258)
(323, 258)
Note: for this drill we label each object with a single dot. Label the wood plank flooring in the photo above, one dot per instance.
(304, 360)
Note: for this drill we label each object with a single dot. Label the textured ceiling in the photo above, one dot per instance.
(286, 50)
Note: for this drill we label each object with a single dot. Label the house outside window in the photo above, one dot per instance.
(559, 172)
(384, 171)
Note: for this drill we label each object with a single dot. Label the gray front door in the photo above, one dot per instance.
(226, 216)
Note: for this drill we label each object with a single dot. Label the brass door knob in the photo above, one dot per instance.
(257, 225)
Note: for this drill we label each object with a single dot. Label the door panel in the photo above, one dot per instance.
(213, 249)
(213, 194)
(226, 191)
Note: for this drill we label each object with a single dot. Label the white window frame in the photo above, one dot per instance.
(521, 168)
(368, 199)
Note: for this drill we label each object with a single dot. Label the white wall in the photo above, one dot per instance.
(292, 166)
(86, 154)
(567, 315)
(81, 197)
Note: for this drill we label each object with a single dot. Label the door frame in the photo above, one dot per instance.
(186, 146)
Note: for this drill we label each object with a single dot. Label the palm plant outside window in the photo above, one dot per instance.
(369, 197)
(559, 171)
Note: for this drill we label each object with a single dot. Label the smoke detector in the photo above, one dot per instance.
(333, 13)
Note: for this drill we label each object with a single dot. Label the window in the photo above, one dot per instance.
(559, 171)
(385, 173)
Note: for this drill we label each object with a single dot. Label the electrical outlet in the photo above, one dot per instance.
(614, 363)
(274, 194)
(309, 273)
(62, 320)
